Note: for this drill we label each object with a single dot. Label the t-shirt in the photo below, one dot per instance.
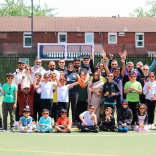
(61, 121)
(9, 96)
(88, 118)
(62, 94)
(83, 95)
(132, 96)
(46, 90)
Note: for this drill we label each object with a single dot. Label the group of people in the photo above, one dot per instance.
(33, 96)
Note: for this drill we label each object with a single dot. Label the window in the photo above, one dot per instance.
(112, 37)
(89, 38)
(62, 37)
(121, 34)
(27, 40)
(139, 40)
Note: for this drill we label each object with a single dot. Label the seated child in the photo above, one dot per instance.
(108, 123)
(141, 119)
(63, 123)
(44, 124)
(89, 120)
(124, 117)
(25, 124)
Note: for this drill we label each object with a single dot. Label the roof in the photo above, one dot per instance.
(82, 24)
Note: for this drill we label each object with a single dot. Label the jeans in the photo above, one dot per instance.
(123, 129)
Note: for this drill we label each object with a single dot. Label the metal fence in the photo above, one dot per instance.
(8, 62)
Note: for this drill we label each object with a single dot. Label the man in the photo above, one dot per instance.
(37, 68)
(61, 67)
(85, 64)
(73, 92)
(52, 67)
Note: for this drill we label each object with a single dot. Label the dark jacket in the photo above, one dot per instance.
(108, 123)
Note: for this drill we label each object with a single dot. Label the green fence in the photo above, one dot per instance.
(8, 62)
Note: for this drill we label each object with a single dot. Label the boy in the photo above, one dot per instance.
(133, 89)
(89, 121)
(44, 124)
(108, 123)
(25, 123)
(9, 91)
(111, 91)
(63, 123)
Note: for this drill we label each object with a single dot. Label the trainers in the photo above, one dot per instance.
(153, 127)
(74, 126)
(12, 129)
(149, 126)
(16, 124)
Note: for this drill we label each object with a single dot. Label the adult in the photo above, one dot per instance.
(37, 68)
(52, 70)
(94, 93)
(72, 77)
(61, 68)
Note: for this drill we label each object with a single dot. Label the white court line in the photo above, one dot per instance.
(71, 135)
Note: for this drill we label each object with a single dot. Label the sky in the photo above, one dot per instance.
(85, 8)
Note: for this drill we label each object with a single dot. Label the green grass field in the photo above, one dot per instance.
(78, 144)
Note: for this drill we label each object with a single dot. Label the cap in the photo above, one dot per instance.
(86, 57)
(26, 110)
(21, 62)
(76, 59)
(116, 68)
(25, 86)
(9, 74)
(70, 64)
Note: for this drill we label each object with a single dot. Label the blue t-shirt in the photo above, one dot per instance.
(9, 90)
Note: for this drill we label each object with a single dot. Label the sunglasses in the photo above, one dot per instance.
(133, 76)
(124, 104)
(26, 88)
(52, 66)
(151, 76)
(27, 69)
(61, 62)
(38, 62)
(21, 65)
(145, 69)
(63, 113)
(130, 66)
(45, 113)
(116, 71)
(92, 108)
(109, 76)
(46, 77)
(141, 108)
(86, 60)
(10, 78)
(77, 63)
(114, 64)
(70, 66)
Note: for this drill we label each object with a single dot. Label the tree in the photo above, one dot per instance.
(139, 12)
(21, 8)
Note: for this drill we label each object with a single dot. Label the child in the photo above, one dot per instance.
(124, 117)
(9, 91)
(25, 124)
(142, 119)
(111, 91)
(149, 91)
(108, 123)
(44, 124)
(63, 94)
(133, 89)
(63, 123)
(89, 120)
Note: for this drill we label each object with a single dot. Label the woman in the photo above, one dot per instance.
(149, 91)
(124, 117)
(94, 93)
(26, 74)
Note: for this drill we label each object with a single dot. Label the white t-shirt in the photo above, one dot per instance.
(56, 72)
(88, 118)
(46, 90)
(62, 94)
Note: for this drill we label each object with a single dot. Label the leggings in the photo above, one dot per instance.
(88, 128)
(150, 110)
(47, 104)
(134, 107)
(107, 128)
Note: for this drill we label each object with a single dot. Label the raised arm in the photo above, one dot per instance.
(123, 67)
(91, 63)
(105, 66)
(74, 84)
(152, 66)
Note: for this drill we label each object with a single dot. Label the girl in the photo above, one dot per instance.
(47, 92)
(149, 91)
(94, 93)
(124, 117)
(142, 119)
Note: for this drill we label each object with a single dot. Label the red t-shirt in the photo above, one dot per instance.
(21, 99)
(60, 121)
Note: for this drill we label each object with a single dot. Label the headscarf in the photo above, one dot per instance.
(93, 81)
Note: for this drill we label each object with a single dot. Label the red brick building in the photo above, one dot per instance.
(136, 34)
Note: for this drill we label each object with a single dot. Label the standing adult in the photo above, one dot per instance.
(62, 68)
(37, 68)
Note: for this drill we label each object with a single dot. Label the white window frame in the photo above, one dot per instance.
(62, 33)
(28, 33)
(116, 38)
(139, 40)
(89, 34)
